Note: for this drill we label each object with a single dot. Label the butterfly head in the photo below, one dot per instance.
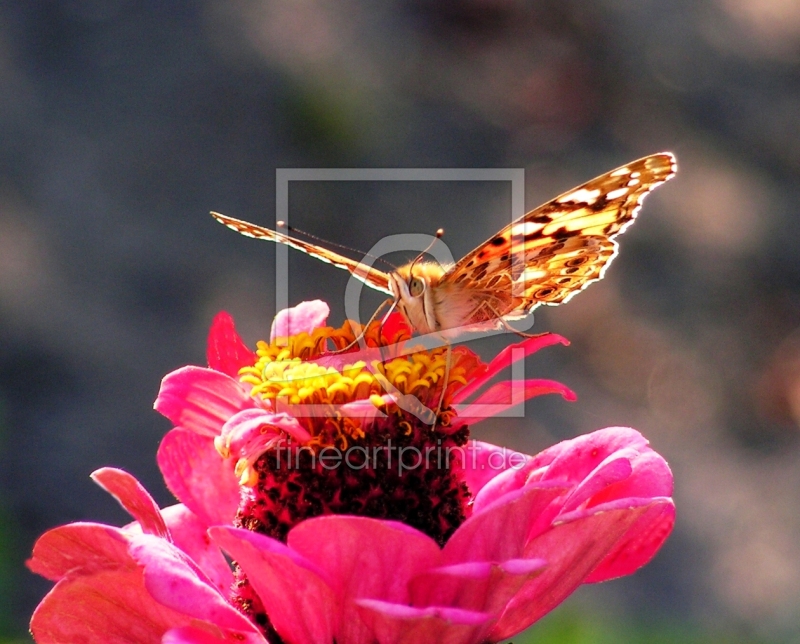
(413, 287)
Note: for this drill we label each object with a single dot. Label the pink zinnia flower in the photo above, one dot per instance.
(350, 519)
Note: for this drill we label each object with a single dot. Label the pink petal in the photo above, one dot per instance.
(510, 354)
(499, 532)
(336, 543)
(364, 558)
(651, 476)
(175, 582)
(574, 459)
(191, 635)
(572, 549)
(639, 545)
(249, 432)
(133, 497)
(107, 607)
(393, 623)
(505, 482)
(196, 635)
(189, 533)
(502, 396)
(198, 476)
(302, 607)
(478, 586)
(79, 548)
(225, 351)
(201, 400)
(614, 469)
(484, 461)
(305, 317)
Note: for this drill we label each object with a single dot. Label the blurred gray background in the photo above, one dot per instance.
(123, 123)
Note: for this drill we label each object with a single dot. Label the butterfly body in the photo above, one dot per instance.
(430, 303)
(544, 257)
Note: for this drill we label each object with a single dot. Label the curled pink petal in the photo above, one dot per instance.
(303, 318)
(614, 469)
(575, 459)
(650, 476)
(505, 358)
(201, 400)
(502, 396)
(133, 497)
(225, 351)
(250, 431)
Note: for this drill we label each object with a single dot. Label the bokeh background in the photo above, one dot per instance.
(123, 123)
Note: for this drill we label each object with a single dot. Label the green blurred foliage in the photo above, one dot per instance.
(6, 554)
(9, 553)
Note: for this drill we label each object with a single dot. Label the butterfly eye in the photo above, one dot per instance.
(416, 287)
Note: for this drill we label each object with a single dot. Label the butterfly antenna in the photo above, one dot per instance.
(439, 235)
(341, 246)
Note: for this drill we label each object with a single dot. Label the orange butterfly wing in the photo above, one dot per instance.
(370, 276)
(558, 249)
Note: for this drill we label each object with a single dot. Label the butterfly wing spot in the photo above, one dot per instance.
(575, 261)
(495, 281)
(523, 230)
(616, 194)
(534, 274)
(581, 195)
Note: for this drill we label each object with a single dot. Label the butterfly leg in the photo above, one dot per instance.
(510, 328)
(447, 360)
(521, 334)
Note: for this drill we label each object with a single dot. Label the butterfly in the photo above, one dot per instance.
(544, 257)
